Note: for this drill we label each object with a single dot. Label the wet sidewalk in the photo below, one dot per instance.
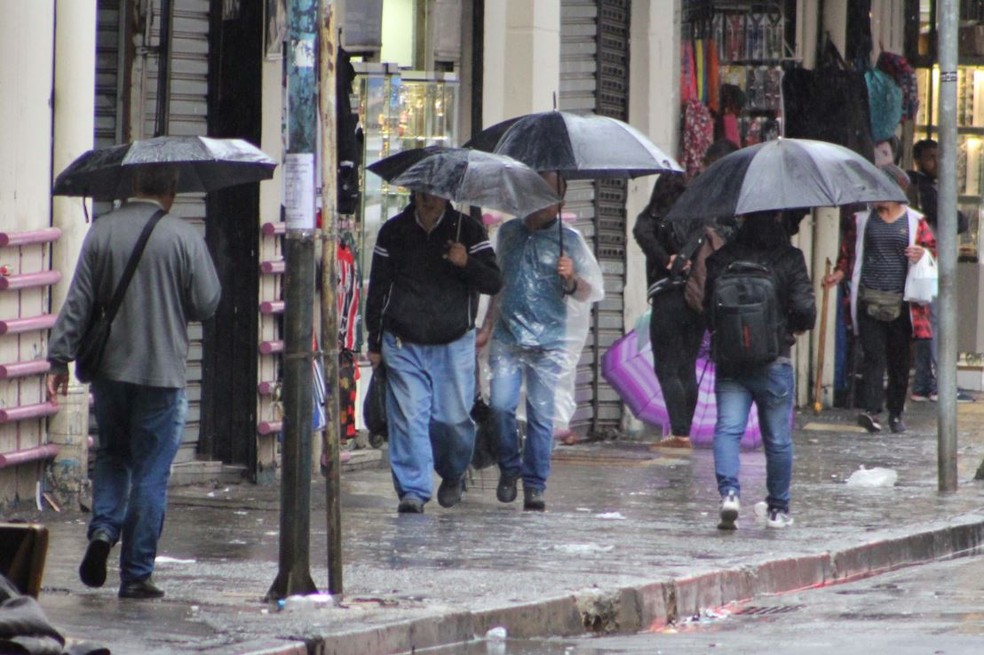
(629, 541)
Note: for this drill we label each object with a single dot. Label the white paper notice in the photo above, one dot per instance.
(299, 191)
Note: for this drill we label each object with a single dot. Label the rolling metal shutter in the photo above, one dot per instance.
(594, 78)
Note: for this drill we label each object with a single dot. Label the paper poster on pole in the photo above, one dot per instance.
(299, 191)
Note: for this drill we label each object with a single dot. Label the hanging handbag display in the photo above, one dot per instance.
(92, 345)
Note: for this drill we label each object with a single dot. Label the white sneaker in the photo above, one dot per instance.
(778, 519)
(730, 505)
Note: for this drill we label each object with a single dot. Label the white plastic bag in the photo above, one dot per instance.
(875, 477)
(921, 283)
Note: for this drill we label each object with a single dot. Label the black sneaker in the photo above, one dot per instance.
(533, 500)
(410, 505)
(868, 421)
(140, 590)
(505, 491)
(895, 424)
(449, 493)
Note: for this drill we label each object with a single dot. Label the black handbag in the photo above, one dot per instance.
(92, 345)
(374, 407)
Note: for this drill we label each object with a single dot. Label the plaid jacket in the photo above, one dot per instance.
(852, 250)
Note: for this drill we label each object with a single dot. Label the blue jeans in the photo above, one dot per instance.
(140, 430)
(771, 388)
(924, 383)
(430, 391)
(541, 369)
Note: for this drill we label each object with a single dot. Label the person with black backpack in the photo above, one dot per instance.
(758, 297)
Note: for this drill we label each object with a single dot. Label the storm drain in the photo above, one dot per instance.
(773, 610)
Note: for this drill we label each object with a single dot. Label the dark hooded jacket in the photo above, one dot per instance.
(763, 240)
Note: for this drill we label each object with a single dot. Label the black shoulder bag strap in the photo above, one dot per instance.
(131, 266)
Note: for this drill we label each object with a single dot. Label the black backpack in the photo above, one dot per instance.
(745, 316)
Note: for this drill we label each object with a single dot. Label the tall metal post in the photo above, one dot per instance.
(294, 575)
(329, 282)
(946, 241)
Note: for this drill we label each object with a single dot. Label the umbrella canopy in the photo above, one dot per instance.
(469, 176)
(629, 369)
(784, 174)
(578, 146)
(205, 164)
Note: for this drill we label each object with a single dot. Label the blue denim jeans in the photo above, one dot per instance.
(924, 382)
(140, 430)
(430, 391)
(771, 388)
(541, 370)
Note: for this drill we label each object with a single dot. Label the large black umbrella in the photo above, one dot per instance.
(784, 174)
(469, 176)
(205, 164)
(578, 146)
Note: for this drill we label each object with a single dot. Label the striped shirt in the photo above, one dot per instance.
(885, 265)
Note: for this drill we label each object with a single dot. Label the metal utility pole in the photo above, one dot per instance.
(294, 575)
(946, 243)
(329, 282)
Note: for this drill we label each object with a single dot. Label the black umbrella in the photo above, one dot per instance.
(577, 146)
(469, 176)
(784, 174)
(205, 164)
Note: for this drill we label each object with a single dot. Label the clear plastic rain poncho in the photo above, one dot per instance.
(533, 311)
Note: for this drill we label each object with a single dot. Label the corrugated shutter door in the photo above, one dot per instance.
(188, 107)
(593, 42)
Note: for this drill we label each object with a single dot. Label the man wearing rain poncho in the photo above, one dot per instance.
(550, 279)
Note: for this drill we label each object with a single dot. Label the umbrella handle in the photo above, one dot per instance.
(818, 384)
(560, 228)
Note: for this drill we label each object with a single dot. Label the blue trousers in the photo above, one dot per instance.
(541, 370)
(140, 430)
(430, 391)
(771, 388)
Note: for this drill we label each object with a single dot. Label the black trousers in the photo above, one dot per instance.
(884, 345)
(675, 332)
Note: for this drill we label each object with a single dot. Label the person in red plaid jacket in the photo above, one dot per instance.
(893, 237)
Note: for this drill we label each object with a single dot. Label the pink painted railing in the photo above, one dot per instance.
(273, 266)
(22, 369)
(27, 238)
(266, 388)
(271, 347)
(17, 457)
(273, 229)
(268, 307)
(22, 412)
(28, 280)
(16, 325)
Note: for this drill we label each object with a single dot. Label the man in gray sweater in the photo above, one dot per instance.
(139, 388)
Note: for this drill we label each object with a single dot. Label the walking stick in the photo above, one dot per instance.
(818, 386)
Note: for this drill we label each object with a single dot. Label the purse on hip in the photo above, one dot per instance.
(880, 305)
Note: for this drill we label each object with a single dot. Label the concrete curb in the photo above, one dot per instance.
(652, 604)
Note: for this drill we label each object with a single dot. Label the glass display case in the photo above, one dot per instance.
(970, 139)
(398, 110)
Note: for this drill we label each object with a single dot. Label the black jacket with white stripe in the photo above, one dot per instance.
(415, 292)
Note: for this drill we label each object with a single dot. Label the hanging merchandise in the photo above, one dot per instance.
(885, 102)
(698, 134)
(901, 71)
(829, 104)
(688, 75)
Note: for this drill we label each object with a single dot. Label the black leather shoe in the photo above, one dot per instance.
(410, 505)
(533, 500)
(92, 570)
(505, 491)
(449, 493)
(140, 590)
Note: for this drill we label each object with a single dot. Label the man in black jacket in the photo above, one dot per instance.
(762, 239)
(429, 265)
